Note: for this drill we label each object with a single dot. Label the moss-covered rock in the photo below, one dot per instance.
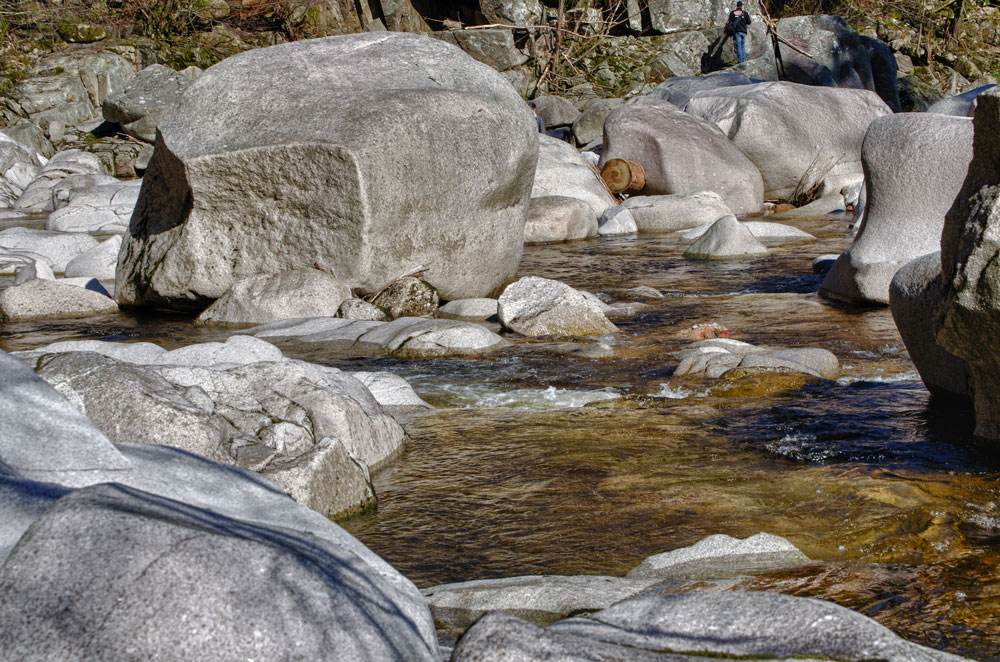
(80, 32)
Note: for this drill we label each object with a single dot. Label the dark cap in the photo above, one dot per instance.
(739, 4)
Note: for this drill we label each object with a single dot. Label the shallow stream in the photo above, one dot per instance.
(586, 457)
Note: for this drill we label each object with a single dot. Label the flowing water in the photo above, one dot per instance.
(587, 456)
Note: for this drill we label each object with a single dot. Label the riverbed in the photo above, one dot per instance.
(587, 456)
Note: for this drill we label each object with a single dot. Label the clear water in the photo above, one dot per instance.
(545, 458)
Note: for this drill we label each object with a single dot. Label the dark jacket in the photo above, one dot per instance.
(737, 22)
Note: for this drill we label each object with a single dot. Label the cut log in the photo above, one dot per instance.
(623, 176)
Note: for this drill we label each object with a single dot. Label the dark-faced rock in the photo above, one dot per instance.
(146, 98)
(681, 153)
(368, 153)
(558, 218)
(914, 164)
(801, 138)
(589, 126)
(556, 111)
(916, 295)
(407, 297)
(837, 58)
(535, 306)
(272, 297)
(493, 47)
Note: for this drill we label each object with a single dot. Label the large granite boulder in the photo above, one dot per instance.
(970, 317)
(146, 98)
(680, 153)
(837, 57)
(373, 154)
(915, 297)
(181, 554)
(801, 138)
(108, 569)
(563, 171)
(589, 126)
(57, 248)
(313, 430)
(914, 165)
(102, 209)
(38, 195)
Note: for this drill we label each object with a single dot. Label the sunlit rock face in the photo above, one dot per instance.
(370, 154)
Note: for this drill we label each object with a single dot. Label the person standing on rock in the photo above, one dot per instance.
(736, 27)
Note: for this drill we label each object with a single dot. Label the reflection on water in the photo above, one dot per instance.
(544, 459)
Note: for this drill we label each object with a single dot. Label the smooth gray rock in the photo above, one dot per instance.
(30, 136)
(40, 298)
(406, 336)
(42, 436)
(535, 306)
(499, 637)
(146, 99)
(716, 356)
(58, 98)
(617, 220)
(359, 309)
(521, 13)
(415, 337)
(536, 598)
(554, 218)
(38, 195)
(266, 184)
(589, 126)
(35, 269)
(101, 71)
(668, 213)
(680, 89)
(390, 391)
(556, 111)
(565, 172)
(407, 297)
(747, 624)
(719, 556)
(916, 295)
(799, 137)
(670, 16)
(98, 262)
(837, 56)
(469, 309)
(494, 47)
(19, 165)
(680, 153)
(109, 569)
(101, 209)
(726, 239)
(915, 164)
(272, 297)
(960, 105)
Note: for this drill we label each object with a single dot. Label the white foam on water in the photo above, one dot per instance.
(527, 398)
(798, 446)
(677, 392)
(898, 378)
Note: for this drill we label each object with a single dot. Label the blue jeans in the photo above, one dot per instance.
(739, 40)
